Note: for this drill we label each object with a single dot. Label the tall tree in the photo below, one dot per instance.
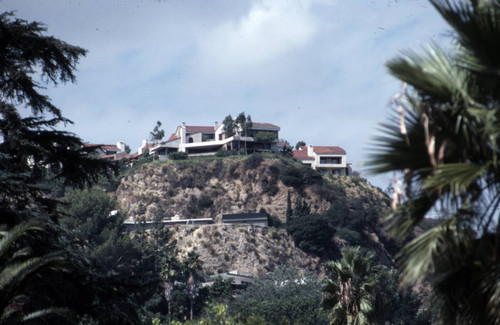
(289, 211)
(192, 265)
(443, 140)
(243, 124)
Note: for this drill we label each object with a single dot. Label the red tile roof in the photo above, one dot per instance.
(172, 137)
(199, 129)
(264, 125)
(332, 150)
(301, 154)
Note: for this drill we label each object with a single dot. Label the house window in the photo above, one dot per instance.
(330, 160)
(190, 140)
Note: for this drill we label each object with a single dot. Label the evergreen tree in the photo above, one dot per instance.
(34, 153)
(289, 210)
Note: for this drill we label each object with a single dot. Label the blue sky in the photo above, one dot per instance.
(313, 67)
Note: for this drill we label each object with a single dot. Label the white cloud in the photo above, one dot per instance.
(271, 29)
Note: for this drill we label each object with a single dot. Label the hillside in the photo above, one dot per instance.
(210, 188)
(250, 250)
(195, 189)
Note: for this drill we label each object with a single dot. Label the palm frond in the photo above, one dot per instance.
(418, 255)
(58, 311)
(455, 178)
(429, 71)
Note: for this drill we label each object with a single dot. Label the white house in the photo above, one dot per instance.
(324, 159)
(207, 140)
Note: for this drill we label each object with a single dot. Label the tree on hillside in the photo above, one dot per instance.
(443, 141)
(157, 134)
(289, 211)
(33, 153)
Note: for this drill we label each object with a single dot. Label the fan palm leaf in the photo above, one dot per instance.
(443, 140)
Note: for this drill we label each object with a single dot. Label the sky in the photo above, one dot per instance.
(313, 67)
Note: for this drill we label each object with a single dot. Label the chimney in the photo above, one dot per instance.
(183, 132)
(121, 146)
(310, 150)
(142, 147)
(216, 125)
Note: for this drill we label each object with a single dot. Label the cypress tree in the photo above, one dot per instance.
(288, 208)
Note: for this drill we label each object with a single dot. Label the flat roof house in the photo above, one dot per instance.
(207, 140)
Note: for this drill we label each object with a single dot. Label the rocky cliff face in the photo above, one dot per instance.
(247, 249)
(210, 188)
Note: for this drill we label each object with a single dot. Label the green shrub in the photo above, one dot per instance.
(253, 161)
(179, 155)
(264, 136)
(351, 236)
(291, 176)
(274, 221)
(205, 202)
(311, 233)
(311, 176)
(225, 153)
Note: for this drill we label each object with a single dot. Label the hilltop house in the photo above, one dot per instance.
(207, 140)
(109, 151)
(324, 159)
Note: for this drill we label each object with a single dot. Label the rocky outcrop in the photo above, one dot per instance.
(250, 250)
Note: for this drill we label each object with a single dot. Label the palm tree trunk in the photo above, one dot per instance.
(191, 309)
(169, 312)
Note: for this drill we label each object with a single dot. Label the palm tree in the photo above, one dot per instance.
(192, 265)
(443, 140)
(169, 272)
(349, 292)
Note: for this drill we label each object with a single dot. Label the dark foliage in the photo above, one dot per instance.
(225, 153)
(178, 155)
(298, 176)
(204, 202)
(299, 144)
(287, 297)
(264, 136)
(34, 155)
(253, 161)
(311, 232)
